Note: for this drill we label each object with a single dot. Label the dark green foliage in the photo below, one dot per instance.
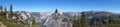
(11, 13)
(83, 20)
(110, 19)
(80, 22)
(76, 22)
(1, 8)
(11, 10)
(33, 21)
(3, 13)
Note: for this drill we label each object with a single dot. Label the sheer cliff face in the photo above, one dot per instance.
(57, 20)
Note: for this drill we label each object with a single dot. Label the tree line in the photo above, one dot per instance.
(3, 10)
(83, 22)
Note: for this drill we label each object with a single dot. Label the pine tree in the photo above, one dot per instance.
(83, 20)
(110, 20)
(76, 22)
(11, 13)
(11, 10)
(5, 10)
(1, 8)
(33, 21)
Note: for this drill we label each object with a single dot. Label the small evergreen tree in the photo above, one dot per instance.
(5, 10)
(110, 19)
(1, 8)
(11, 10)
(76, 22)
(33, 21)
(83, 20)
(11, 13)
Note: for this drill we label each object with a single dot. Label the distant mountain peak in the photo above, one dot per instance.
(58, 11)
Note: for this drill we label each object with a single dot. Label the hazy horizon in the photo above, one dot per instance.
(63, 5)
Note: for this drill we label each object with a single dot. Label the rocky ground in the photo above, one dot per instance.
(2, 25)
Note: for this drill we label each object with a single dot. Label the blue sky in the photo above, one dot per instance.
(64, 5)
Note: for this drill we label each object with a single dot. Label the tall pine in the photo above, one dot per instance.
(76, 22)
(83, 20)
(110, 21)
(11, 10)
(33, 21)
(11, 13)
(1, 8)
(5, 10)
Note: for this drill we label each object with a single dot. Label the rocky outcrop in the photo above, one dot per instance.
(22, 17)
